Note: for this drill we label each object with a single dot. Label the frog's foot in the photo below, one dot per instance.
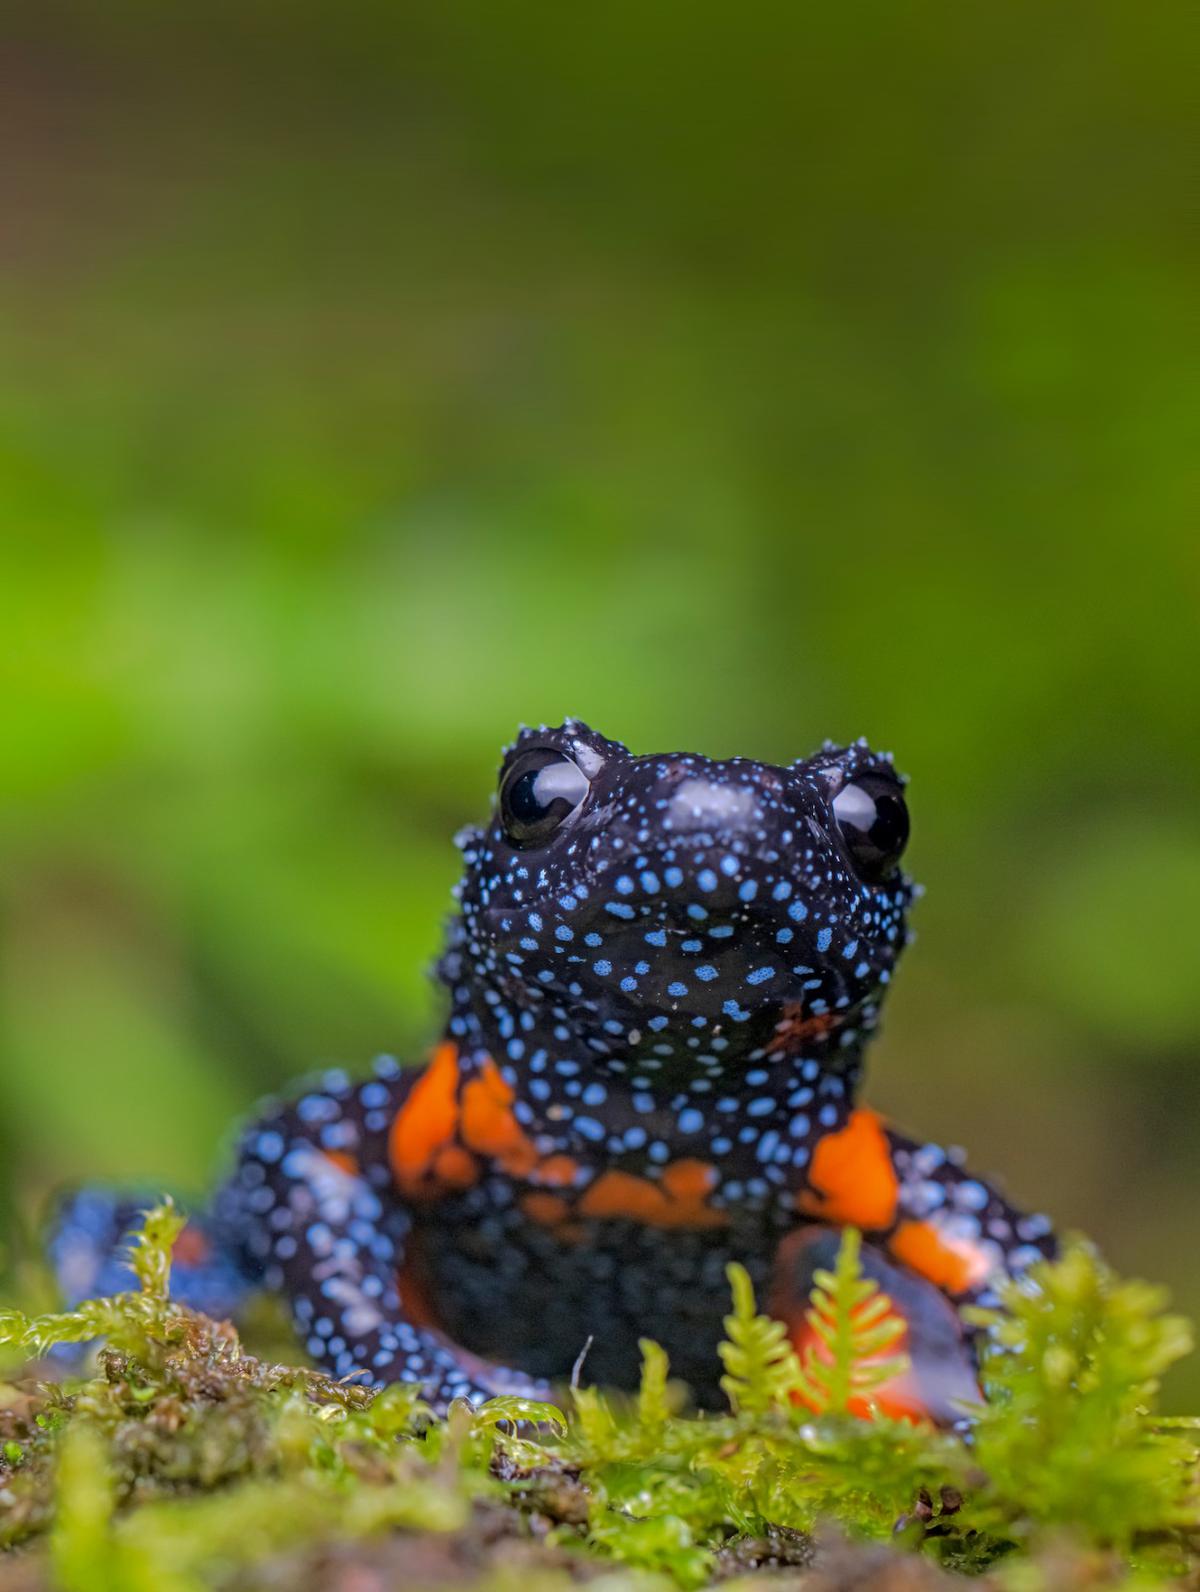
(940, 1380)
(90, 1235)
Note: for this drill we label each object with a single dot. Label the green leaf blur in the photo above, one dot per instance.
(372, 381)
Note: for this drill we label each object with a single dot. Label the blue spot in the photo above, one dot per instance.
(629, 985)
(692, 945)
(784, 937)
(759, 975)
(729, 866)
(618, 909)
(761, 1107)
(650, 882)
(656, 937)
(767, 1145)
(748, 889)
(595, 1094)
(697, 912)
(797, 912)
(624, 885)
(706, 879)
(673, 876)
(691, 1120)
(268, 1146)
(562, 932)
(721, 932)
(590, 1128)
(707, 973)
(781, 891)
(824, 939)
(657, 1023)
(850, 949)
(676, 989)
(603, 967)
(592, 939)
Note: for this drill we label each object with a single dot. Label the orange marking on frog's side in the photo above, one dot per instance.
(545, 1209)
(489, 1126)
(853, 1181)
(689, 1179)
(426, 1122)
(454, 1168)
(556, 1171)
(678, 1201)
(955, 1265)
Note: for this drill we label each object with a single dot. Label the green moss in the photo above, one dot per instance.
(184, 1463)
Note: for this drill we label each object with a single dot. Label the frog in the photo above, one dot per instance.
(662, 975)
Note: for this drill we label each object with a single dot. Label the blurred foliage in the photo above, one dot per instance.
(373, 381)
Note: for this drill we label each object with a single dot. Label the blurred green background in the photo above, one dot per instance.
(374, 379)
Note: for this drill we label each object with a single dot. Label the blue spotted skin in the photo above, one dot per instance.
(677, 985)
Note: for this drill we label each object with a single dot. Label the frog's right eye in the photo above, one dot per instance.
(873, 818)
(540, 790)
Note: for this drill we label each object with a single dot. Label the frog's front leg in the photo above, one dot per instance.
(935, 1239)
(312, 1209)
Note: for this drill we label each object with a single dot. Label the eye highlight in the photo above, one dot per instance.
(539, 792)
(873, 817)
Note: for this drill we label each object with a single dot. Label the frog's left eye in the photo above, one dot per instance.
(539, 792)
(873, 817)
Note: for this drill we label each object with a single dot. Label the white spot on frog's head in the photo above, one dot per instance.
(704, 803)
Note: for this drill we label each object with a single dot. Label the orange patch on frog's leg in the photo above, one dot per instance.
(941, 1375)
(851, 1176)
(952, 1264)
(344, 1161)
(898, 1397)
(678, 1200)
(425, 1123)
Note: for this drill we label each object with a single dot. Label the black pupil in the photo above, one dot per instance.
(538, 794)
(873, 818)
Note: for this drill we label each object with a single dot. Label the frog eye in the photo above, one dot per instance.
(873, 817)
(539, 792)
